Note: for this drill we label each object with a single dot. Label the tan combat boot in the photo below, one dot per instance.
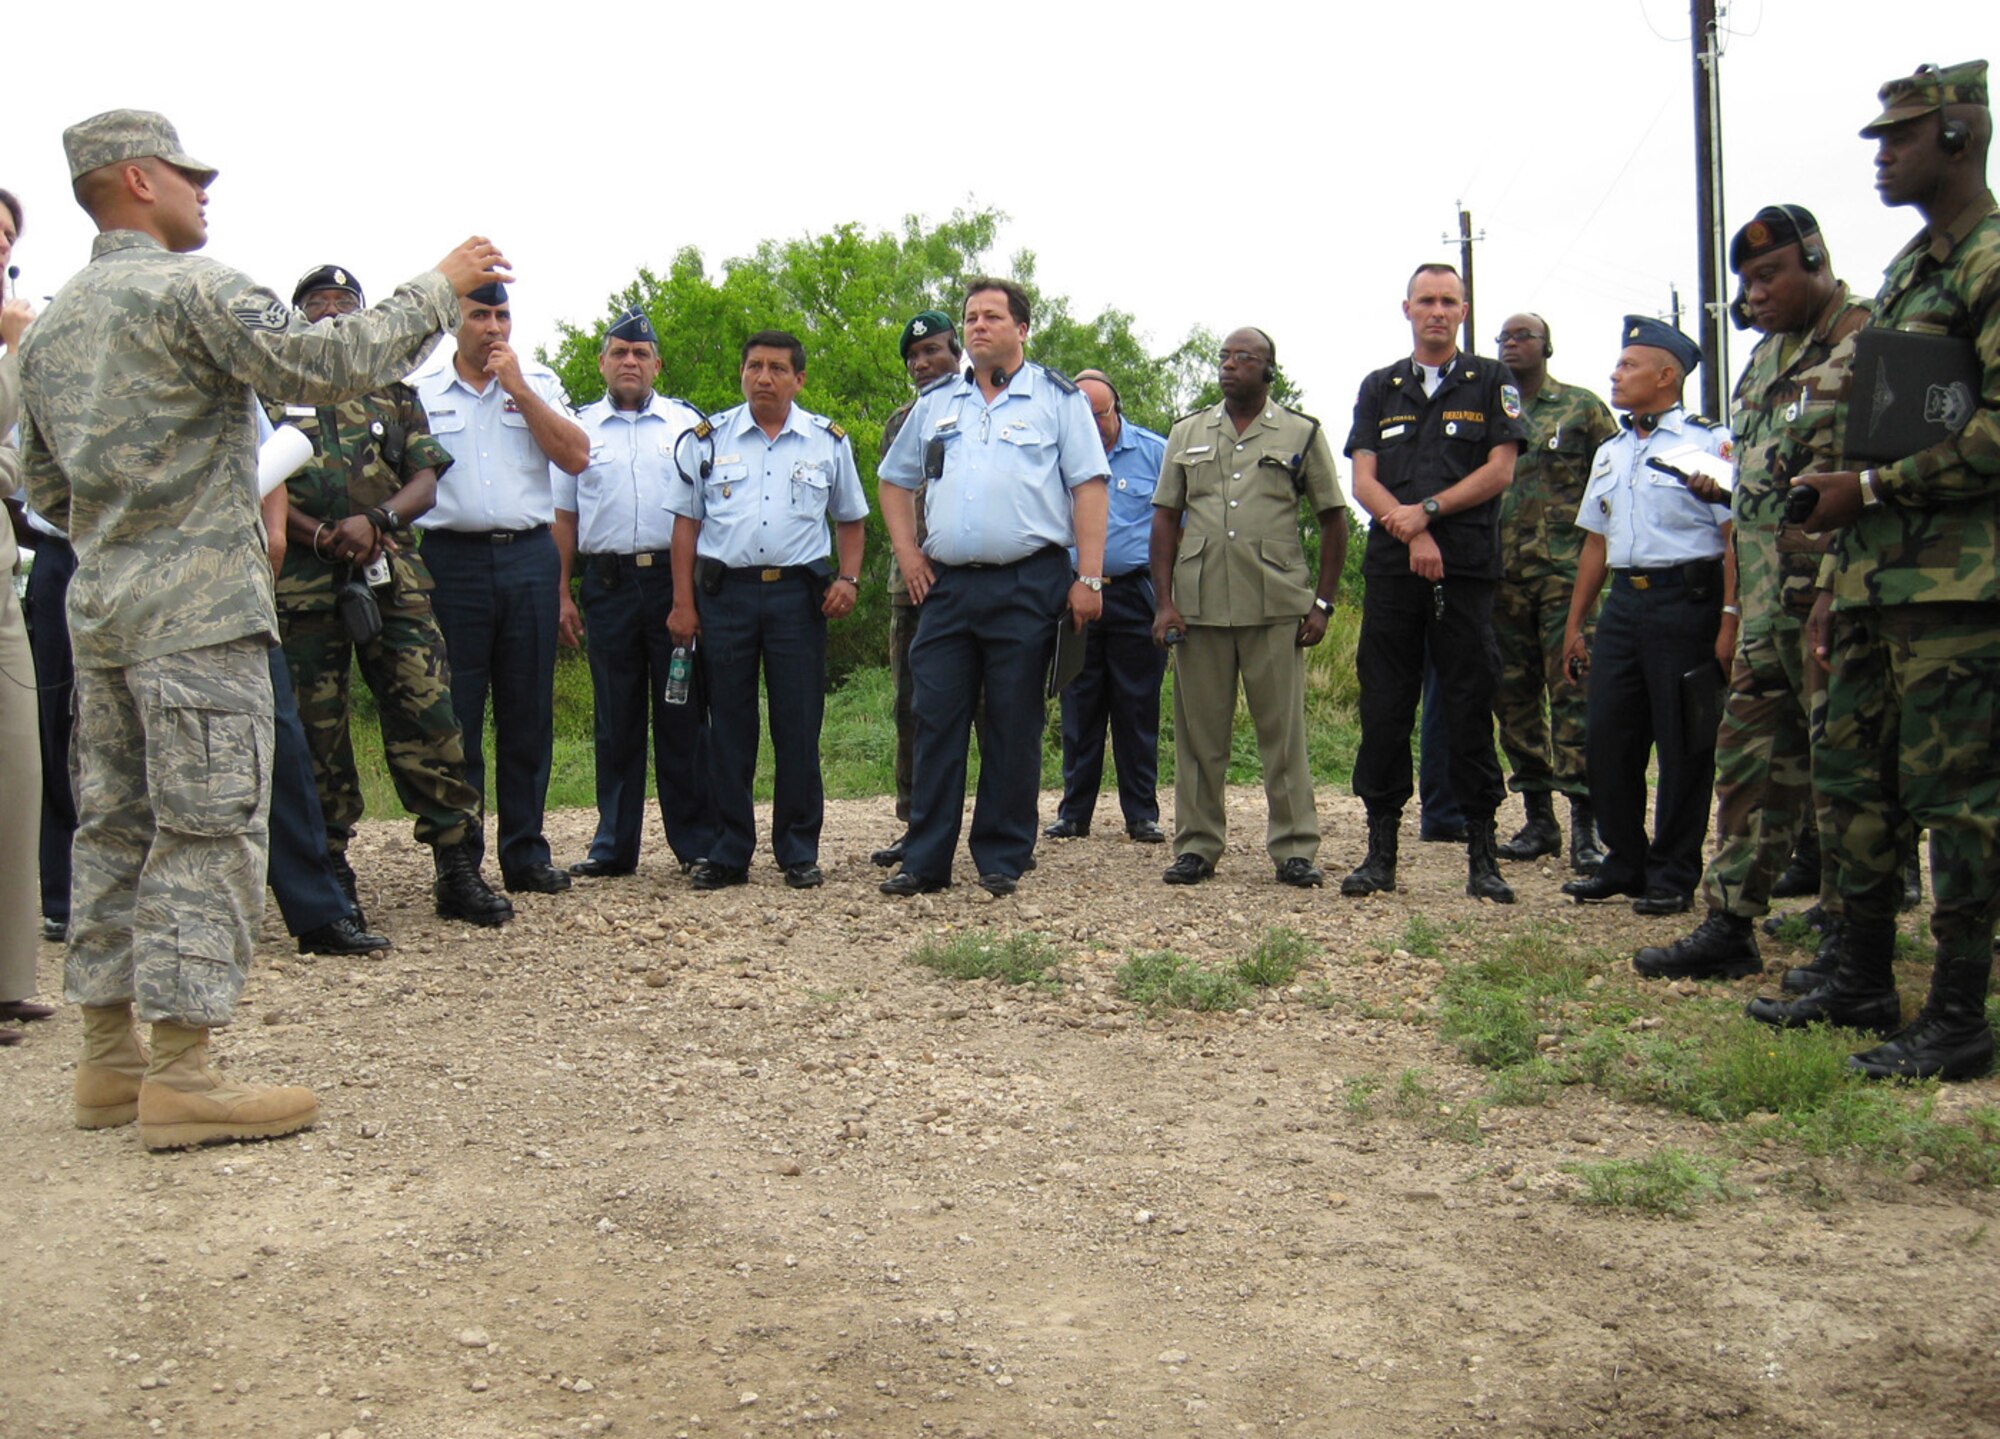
(183, 1102)
(108, 1075)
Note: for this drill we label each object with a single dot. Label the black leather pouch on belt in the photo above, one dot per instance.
(708, 575)
(608, 569)
(359, 615)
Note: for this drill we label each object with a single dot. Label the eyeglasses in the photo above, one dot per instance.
(321, 303)
(1242, 357)
(1519, 337)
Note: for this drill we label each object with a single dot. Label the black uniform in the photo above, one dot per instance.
(1424, 446)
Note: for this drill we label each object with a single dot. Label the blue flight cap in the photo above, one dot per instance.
(632, 325)
(1645, 330)
(493, 293)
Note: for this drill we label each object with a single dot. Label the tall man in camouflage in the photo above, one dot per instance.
(1786, 416)
(1910, 628)
(138, 441)
(374, 469)
(930, 353)
(1539, 545)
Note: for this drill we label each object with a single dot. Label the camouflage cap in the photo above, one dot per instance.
(327, 277)
(1928, 90)
(930, 322)
(120, 135)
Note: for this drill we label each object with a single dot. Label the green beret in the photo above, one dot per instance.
(1927, 91)
(930, 322)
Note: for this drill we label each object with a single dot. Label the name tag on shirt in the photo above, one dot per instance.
(1393, 431)
(1195, 451)
(307, 410)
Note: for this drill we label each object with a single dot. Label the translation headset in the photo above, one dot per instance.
(1270, 365)
(1811, 257)
(1117, 400)
(1954, 136)
(1548, 336)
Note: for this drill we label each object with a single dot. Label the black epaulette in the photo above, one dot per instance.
(1192, 414)
(1059, 379)
(943, 380)
(1702, 422)
(1309, 419)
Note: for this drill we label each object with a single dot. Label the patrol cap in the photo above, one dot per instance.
(1771, 228)
(632, 325)
(120, 135)
(930, 322)
(1645, 330)
(1928, 90)
(328, 277)
(491, 293)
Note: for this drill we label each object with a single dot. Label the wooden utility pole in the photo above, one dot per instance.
(1711, 333)
(1465, 243)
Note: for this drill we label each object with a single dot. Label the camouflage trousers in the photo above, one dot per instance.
(406, 669)
(1910, 739)
(1544, 745)
(1763, 771)
(172, 759)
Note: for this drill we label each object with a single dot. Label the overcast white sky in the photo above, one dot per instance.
(1282, 164)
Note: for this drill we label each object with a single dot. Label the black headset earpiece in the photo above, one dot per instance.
(1954, 136)
(1270, 365)
(1548, 336)
(1811, 256)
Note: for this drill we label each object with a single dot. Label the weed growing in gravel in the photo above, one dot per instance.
(1162, 979)
(1494, 1008)
(1358, 1094)
(1422, 936)
(1024, 958)
(1416, 1101)
(1664, 1182)
(1524, 1085)
(1276, 959)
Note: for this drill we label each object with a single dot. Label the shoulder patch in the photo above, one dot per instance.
(1059, 379)
(274, 317)
(1510, 402)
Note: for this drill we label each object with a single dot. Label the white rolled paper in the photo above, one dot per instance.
(281, 457)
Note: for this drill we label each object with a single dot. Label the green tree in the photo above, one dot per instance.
(847, 294)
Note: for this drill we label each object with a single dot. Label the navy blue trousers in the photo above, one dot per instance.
(496, 607)
(300, 874)
(55, 699)
(625, 612)
(982, 633)
(1119, 689)
(1645, 641)
(747, 626)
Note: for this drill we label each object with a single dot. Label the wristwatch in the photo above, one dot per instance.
(1324, 606)
(854, 580)
(1431, 508)
(1091, 582)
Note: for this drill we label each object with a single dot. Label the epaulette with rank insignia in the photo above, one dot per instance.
(940, 382)
(1059, 379)
(830, 427)
(1702, 422)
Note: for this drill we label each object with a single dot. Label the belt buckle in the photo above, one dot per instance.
(501, 537)
(1641, 582)
(643, 560)
(770, 576)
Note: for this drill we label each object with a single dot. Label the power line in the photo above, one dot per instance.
(1605, 198)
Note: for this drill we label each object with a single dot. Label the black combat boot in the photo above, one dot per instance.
(1801, 876)
(1586, 855)
(461, 893)
(1862, 992)
(1482, 866)
(344, 875)
(1723, 946)
(1378, 871)
(1950, 1038)
(1539, 836)
(1805, 978)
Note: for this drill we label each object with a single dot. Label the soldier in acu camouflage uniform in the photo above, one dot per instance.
(1910, 628)
(1539, 546)
(138, 440)
(1787, 415)
(374, 469)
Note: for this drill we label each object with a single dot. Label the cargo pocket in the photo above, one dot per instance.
(208, 769)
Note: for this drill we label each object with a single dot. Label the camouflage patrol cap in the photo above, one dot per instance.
(120, 135)
(1771, 228)
(1928, 90)
(930, 322)
(328, 277)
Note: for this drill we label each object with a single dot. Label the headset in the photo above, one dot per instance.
(1271, 366)
(1953, 136)
(1812, 258)
(1548, 336)
(1117, 400)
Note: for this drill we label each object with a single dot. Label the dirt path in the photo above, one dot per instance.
(657, 1163)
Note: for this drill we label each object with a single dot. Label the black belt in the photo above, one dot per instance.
(1694, 572)
(1128, 576)
(485, 537)
(1005, 564)
(643, 560)
(770, 574)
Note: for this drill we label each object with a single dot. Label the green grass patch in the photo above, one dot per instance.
(1495, 1007)
(1276, 960)
(1162, 979)
(1357, 1095)
(1666, 1181)
(1022, 958)
(1422, 936)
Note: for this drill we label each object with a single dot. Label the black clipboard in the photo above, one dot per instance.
(1066, 662)
(1910, 392)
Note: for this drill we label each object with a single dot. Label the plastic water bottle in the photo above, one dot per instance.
(678, 666)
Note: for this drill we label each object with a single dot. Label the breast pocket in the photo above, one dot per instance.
(1030, 438)
(518, 441)
(811, 483)
(724, 488)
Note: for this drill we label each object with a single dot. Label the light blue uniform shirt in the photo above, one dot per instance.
(499, 478)
(766, 502)
(620, 499)
(1650, 520)
(1008, 466)
(1135, 469)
